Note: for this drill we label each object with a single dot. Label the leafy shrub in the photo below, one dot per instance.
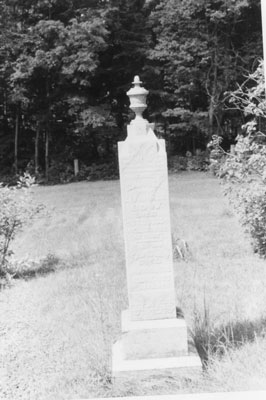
(217, 154)
(106, 171)
(255, 218)
(244, 172)
(250, 202)
(199, 162)
(61, 172)
(177, 163)
(244, 175)
(27, 269)
(16, 210)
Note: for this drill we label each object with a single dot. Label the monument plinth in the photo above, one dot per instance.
(153, 339)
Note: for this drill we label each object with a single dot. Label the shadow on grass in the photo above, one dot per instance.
(213, 340)
(29, 270)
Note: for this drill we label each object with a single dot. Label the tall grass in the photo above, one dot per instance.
(213, 341)
(64, 324)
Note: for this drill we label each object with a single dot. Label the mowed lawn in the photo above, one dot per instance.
(56, 331)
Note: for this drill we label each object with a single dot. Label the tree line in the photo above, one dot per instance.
(65, 67)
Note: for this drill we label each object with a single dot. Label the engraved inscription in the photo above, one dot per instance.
(151, 305)
(143, 282)
(146, 220)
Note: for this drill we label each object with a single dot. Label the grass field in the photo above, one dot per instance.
(57, 330)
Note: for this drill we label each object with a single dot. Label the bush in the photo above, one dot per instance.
(251, 205)
(245, 179)
(198, 162)
(256, 220)
(27, 269)
(94, 172)
(16, 210)
(244, 172)
(177, 163)
(217, 154)
(62, 172)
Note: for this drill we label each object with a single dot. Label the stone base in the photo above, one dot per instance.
(153, 347)
(153, 338)
(183, 366)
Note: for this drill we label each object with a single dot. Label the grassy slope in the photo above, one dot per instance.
(222, 267)
(58, 330)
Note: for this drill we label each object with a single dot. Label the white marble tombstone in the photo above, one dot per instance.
(76, 166)
(152, 334)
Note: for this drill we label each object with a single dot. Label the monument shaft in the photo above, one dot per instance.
(146, 221)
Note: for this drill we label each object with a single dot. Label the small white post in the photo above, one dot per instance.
(76, 167)
(263, 18)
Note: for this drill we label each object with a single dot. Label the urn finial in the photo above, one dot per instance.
(137, 96)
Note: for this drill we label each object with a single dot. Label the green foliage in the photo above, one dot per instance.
(196, 58)
(28, 269)
(94, 172)
(217, 154)
(95, 117)
(65, 68)
(199, 162)
(60, 172)
(244, 174)
(84, 41)
(57, 61)
(244, 171)
(16, 210)
(254, 203)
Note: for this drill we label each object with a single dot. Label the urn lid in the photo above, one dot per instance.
(137, 90)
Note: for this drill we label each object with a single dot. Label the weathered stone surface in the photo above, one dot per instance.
(145, 203)
(155, 343)
(181, 366)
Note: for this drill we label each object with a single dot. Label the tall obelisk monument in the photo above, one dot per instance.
(153, 337)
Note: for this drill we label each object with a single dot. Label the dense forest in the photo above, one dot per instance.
(65, 67)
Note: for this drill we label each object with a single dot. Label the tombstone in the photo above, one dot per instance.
(76, 167)
(153, 339)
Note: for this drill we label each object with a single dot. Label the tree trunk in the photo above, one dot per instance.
(36, 154)
(193, 145)
(16, 143)
(211, 117)
(47, 155)
(48, 130)
(213, 89)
